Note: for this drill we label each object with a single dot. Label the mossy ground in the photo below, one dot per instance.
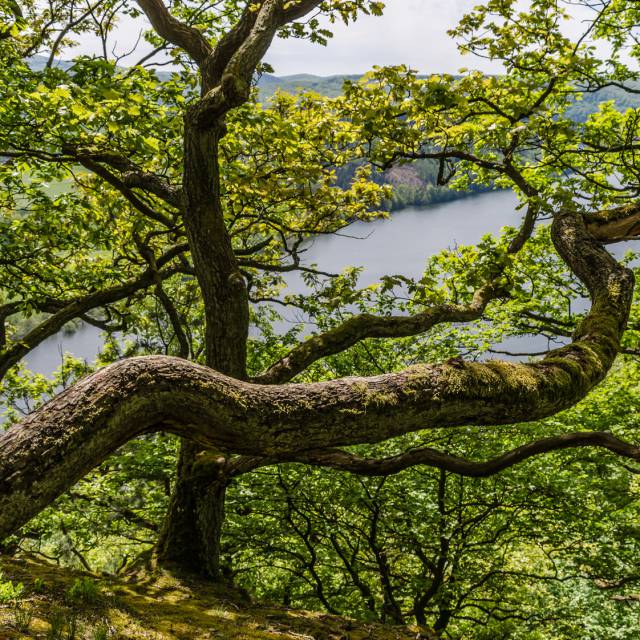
(163, 606)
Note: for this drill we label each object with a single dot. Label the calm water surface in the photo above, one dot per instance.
(398, 245)
(402, 243)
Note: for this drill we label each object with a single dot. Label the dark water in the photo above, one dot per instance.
(398, 245)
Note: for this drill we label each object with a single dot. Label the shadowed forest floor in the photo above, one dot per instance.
(156, 607)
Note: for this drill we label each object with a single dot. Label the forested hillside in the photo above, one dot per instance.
(414, 183)
(332, 86)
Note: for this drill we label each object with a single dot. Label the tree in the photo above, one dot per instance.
(530, 552)
(149, 216)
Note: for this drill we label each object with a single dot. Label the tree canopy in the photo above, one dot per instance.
(169, 206)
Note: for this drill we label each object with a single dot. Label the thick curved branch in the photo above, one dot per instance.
(59, 443)
(125, 190)
(607, 226)
(178, 33)
(153, 183)
(229, 70)
(231, 42)
(429, 457)
(615, 225)
(365, 326)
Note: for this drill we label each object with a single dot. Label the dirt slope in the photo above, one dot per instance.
(157, 607)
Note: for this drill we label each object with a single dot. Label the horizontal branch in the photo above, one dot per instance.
(178, 33)
(282, 268)
(58, 444)
(429, 457)
(121, 186)
(615, 225)
(426, 456)
(63, 311)
(366, 326)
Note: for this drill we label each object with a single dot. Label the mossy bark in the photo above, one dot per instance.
(192, 531)
(62, 441)
(191, 534)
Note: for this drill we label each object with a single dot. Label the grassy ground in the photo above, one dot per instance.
(155, 607)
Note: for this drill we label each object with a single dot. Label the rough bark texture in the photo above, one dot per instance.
(192, 530)
(59, 443)
(615, 225)
(366, 325)
(223, 288)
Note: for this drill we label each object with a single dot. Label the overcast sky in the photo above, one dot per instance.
(412, 32)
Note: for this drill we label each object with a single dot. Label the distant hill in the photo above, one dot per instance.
(38, 63)
(413, 184)
(589, 103)
(330, 86)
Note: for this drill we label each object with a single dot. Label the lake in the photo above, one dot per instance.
(398, 245)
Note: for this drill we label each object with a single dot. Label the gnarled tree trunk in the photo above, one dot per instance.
(58, 444)
(191, 533)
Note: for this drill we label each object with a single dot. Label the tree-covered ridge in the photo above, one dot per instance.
(414, 183)
(333, 86)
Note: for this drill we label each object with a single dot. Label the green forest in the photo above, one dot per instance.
(416, 183)
(383, 467)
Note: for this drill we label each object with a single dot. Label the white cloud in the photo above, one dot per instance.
(412, 32)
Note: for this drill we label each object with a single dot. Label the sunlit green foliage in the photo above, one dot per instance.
(546, 550)
(10, 592)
